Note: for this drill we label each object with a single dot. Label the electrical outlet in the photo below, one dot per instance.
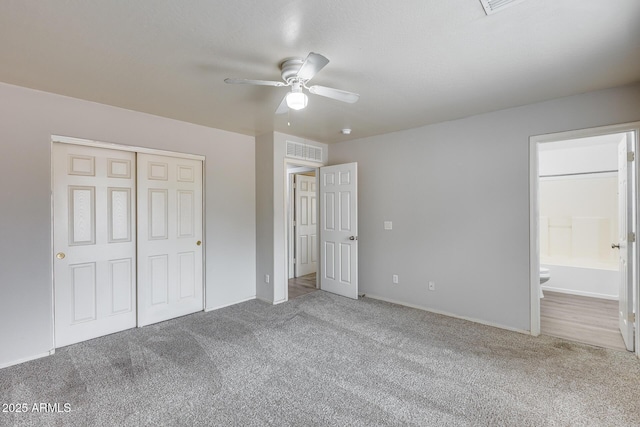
(266, 278)
(432, 285)
(395, 279)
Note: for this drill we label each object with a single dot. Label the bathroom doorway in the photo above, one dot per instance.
(583, 225)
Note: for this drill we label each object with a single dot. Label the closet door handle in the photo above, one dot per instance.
(198, 243)
(614, 246)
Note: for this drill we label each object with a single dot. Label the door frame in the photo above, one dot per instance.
(294, 229)
(130, 148)
(287, 194)
(534, 248)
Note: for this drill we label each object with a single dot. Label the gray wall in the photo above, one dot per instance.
(28, 118)
(458, 195)
(264, 216)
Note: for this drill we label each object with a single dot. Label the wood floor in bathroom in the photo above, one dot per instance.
(583, 319)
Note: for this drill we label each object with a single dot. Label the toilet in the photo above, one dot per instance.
(544, 275)
(544, 278)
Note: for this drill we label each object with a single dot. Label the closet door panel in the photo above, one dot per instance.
(170, 280)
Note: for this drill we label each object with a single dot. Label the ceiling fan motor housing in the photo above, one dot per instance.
(289, 68)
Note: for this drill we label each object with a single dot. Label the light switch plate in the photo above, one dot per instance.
(388, 225)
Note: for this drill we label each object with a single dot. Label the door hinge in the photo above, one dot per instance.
(294, 223)
(631, 156)
(294, 260)
(632, 318)
(631, 238)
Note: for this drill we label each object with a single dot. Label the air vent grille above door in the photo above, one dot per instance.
(493, 6)
(302, 151)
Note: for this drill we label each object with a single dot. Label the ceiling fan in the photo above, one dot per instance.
(296, 73)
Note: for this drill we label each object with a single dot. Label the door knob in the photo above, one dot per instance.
(614, 246)
(353, 237)
(198, 243)
(60, 255)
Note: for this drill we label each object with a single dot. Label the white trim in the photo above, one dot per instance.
(27, 359)
(534, 255)
(580, 293)
(284, 268)
(218, 307)
(580, 176)
(534, 250)
(585, 133)
(114, 146)
(203, 238)
(445, 313)
(291, 271)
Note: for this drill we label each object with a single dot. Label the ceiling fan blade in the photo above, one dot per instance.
(314, 63)
(283, 107)
(254, 82)
(337, 94)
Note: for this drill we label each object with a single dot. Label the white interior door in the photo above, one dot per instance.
(170, 281)
(339, 229)
(306, 227)
(626, 246)
(94, 242)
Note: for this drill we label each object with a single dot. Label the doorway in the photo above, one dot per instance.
(302, 242)
(337, 228)
(583, 224)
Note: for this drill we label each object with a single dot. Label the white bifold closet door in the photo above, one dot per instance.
(94, 242)
(170, 280)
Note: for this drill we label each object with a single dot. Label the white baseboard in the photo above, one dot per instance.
(444, 313)
(218, 307)
(26, 359)
(580, 293)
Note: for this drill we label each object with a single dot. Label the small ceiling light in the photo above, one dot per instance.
(296, 100)
(345, 131)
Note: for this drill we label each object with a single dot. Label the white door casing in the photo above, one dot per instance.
(94, 242)
(626, 246)
(169, 238)
(306, 227)
(339, 229)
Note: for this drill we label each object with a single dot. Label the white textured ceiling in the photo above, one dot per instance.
(414, 62)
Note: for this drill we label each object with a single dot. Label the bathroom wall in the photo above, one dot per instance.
(579, 220)
(579, 215)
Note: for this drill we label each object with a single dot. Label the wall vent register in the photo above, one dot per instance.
(298, 150)
(493, 6)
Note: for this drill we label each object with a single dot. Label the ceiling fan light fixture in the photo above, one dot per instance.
(297, 100)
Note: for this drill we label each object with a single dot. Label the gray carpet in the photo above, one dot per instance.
(326, 360)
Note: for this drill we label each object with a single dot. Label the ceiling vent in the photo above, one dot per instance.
(493, 6)
(298, 150)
